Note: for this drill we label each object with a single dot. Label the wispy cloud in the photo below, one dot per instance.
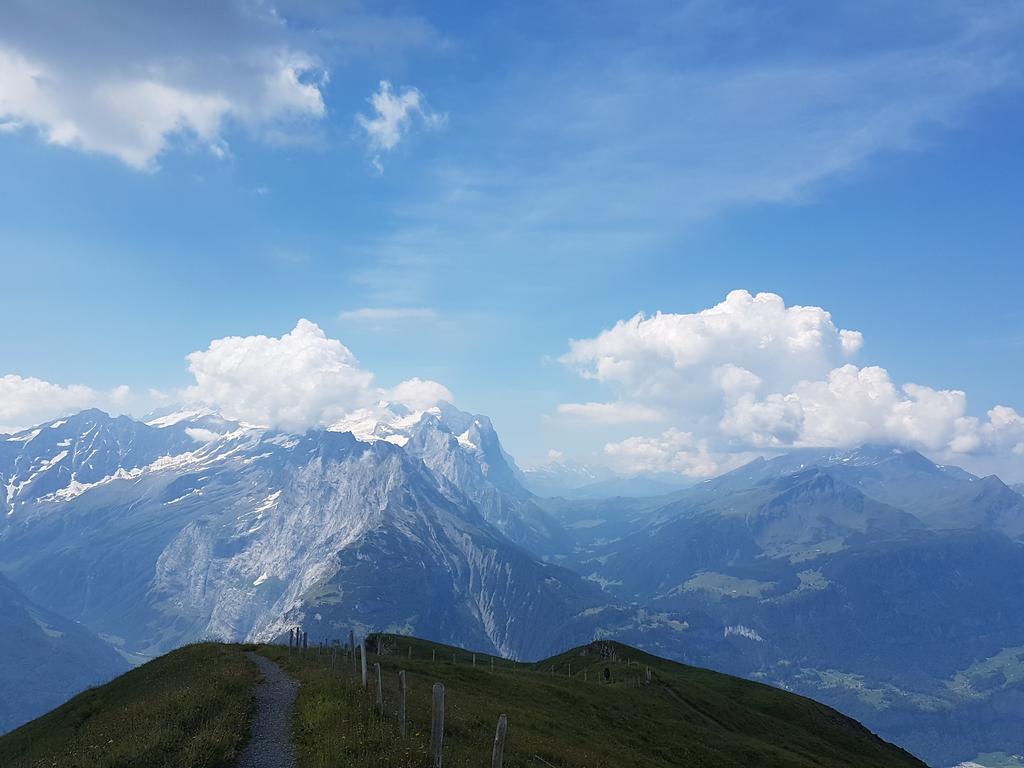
(617, 148)
(387, 314)
(394, 114)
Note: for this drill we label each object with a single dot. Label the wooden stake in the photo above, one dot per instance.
(352, 648)
(362, 656)
(437, 726)
(380, 691)
(498, 754)
(401, 703)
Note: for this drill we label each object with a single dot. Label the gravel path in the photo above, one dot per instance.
(269, 743)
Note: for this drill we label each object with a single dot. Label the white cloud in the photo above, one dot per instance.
(201, 435)
(420, 394)
(132, 82)
(669, 357)
(611, 413)
(26, 401)
(295, 381)
(753, 374)
(394, 113)
(673, 451)
(300, 380)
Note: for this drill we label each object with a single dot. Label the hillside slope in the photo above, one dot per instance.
(189, 708)
(46, 658)
(685, 716)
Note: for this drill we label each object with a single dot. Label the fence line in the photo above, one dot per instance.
(298, 640)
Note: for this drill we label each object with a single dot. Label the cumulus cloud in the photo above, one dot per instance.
(673, 451)
(25, 401)
(751, 374)
(393, 116)
(420, 394)
(131, 82)
(300, 380)
(672, 357)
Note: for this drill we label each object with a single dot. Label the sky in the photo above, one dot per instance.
(663, 237)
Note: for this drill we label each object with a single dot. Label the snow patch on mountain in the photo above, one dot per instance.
(738, 630)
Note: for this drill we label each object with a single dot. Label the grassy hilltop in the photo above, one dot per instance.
(191, 707)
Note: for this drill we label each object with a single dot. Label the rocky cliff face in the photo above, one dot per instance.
(193, 527)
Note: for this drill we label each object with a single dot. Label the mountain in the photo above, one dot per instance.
(189, 707)
(46, 658)
(190, 526)
(874, 580)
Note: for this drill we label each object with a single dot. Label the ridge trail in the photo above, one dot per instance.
(270, 744)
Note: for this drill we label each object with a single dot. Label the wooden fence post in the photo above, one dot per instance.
(352, 648)
(433, 654)
(474, 661)
(498, 754)
(305, 642)
(437, 726)
(380, 691)
(362, 656)
(401, 703)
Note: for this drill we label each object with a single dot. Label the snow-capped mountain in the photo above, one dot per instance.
(465, 451)
(857, 576)
(193, 526)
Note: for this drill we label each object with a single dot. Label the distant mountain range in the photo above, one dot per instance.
(871, 579)
(573, 480)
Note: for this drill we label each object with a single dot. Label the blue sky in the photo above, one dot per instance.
(542, 174)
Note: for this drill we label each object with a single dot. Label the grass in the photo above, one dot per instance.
(192, 708)
(686, 716)
(188, 708)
